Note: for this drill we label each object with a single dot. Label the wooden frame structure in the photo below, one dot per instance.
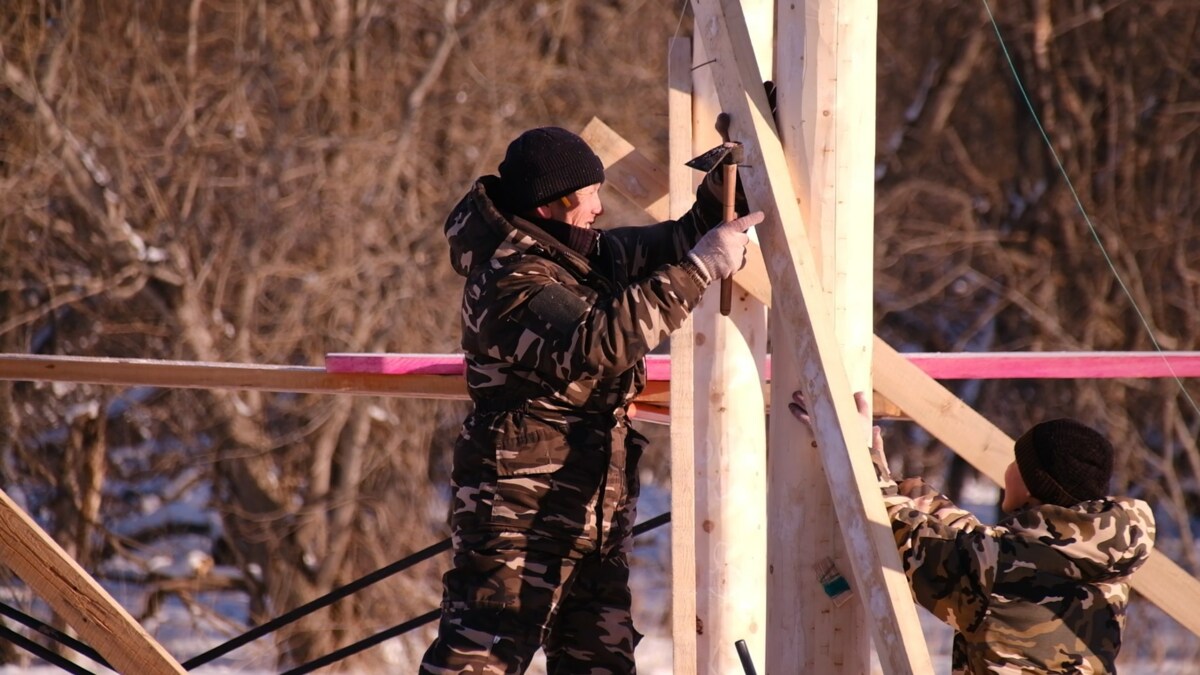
(805, 255)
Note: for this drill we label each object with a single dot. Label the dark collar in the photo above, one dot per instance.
(581, 240)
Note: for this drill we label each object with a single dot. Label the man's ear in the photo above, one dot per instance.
(543, 211)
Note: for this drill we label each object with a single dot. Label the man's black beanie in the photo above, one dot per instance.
(1064, 462)
(544, 164)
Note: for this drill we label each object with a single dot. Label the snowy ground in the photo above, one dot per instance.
(1154, 642)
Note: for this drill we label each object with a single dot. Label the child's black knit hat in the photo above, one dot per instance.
(1064, 462)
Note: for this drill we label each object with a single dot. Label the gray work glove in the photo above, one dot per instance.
(722, 250)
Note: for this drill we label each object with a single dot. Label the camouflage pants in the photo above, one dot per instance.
(577, 610)
(542, 529)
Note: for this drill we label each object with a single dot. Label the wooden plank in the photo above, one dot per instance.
(448, 385)
(210, 375)
(56, 578)
(731, 540)
(1073, 365)
(631, 173)
(990, 450)
(825, 102)
(683, 444)
(811, 357)
(620, 157)
(658, 366)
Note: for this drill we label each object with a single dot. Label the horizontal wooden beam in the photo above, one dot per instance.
(212, 375)
(1056, 365)
(440, 376)
(429, 376)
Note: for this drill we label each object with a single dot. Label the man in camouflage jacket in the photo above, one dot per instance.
(1043, 591)
(556, 320)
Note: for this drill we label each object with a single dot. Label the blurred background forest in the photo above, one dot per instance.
(266, 181)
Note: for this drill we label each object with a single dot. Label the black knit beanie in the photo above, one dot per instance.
(1064, 462)
(544, 164)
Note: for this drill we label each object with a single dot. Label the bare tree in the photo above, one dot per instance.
(266, 182)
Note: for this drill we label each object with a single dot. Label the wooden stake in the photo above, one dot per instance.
(683, 446)
(731, 544)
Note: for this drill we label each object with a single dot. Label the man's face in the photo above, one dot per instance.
(1016, 494)
(581, 208)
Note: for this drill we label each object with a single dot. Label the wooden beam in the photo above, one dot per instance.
(825, 86)
(811, 357)
(631, 173)
(1064, 365)
(731, 442)
(209, 375)
(683, 445)
(990, 450)
(56, 578)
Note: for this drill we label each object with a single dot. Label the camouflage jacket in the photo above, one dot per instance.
(555, 337)
(1043, 591)
(564, 331)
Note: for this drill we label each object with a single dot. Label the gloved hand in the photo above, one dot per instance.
(714, 185)
(722, 250)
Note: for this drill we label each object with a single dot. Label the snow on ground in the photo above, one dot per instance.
(1154, 642)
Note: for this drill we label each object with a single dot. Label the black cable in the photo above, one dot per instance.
(744, 654)
(361, 645)
(52, 633)
(396, 631)
(310, 607)
(41, 652)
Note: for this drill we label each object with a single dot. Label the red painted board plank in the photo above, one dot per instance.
(940, 366)
(658, 366)
(1051, 365)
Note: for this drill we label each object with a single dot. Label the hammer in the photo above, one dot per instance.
(727, 155)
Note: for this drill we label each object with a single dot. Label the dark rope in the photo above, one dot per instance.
(41, 652)
(266, 628)
(312, 606)
(428, 617)
(361, 645)
(52, 633)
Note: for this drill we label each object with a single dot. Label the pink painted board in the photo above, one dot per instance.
(658, 366)
(940, 366)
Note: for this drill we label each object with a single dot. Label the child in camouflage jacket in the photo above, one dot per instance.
(1045, 589)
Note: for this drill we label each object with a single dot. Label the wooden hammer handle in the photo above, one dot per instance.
(728, 201)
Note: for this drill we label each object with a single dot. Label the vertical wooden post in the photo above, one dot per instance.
(730, 355)
(683, 446)
(825, 83)
(806, 352)
(56, 578)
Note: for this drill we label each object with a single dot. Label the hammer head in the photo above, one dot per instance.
(725, 153)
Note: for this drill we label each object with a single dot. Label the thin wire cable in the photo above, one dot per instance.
(683, 5)
(412, 624)
(38, 650)
(312, 606)
(1083, 211)
(52, 633)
